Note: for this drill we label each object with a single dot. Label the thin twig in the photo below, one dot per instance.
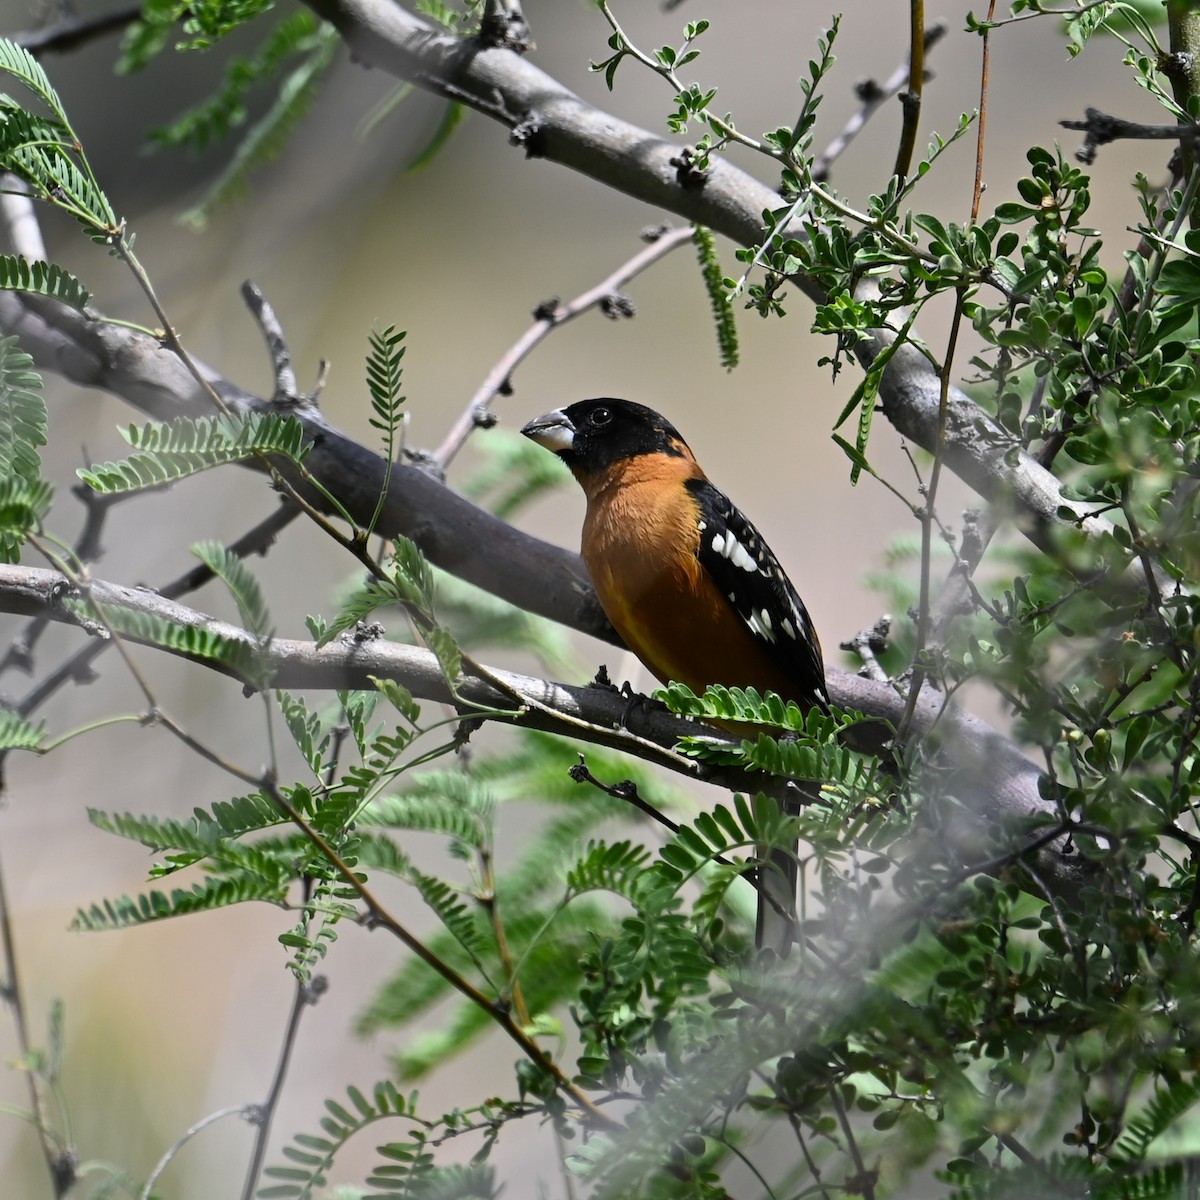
(548, 317)
(60, 1160)
(123, 250)
(910, 100)
(306, 993)
(382, 917)
(625, 791)
(286, 388)
(985, 70)
(863, 1183)
(1139, 548)
(813, 1168)
(928, 519)
(87, 548)
(958, 593)
(254, 541)
(868, 644)
(80, 583)
(234, 1110)
(727, 133)
(1145, 247)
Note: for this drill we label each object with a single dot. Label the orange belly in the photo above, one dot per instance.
(641, 555)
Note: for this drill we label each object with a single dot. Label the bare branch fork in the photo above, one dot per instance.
(549, 317)
(1099, 129)
(873, 95)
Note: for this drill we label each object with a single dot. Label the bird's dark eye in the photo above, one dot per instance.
(599, 417)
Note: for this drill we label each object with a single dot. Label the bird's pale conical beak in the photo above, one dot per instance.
(552, 430)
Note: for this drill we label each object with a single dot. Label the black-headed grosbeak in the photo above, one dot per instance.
(686, 580)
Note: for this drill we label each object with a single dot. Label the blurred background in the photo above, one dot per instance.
(167, 1023)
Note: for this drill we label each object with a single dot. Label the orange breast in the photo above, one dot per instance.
(640, 539)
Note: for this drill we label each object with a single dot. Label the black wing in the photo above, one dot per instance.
(746, 570)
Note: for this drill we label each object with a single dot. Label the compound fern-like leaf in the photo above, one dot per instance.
(186, 447)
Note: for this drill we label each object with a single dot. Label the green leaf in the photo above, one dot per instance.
(231, 569)
(22, 414)
(441, 642)
(43, 279)
(1181, 277)
(445, 802)
(23, 508)
(412, 576)
(205, 834)
(216, 117)
(21, 131)
(20, 64)
(45, 153)
(210, 20)
(370, 596)
(453, 116)
(611, 867)
(149, 34)
(452, 911)
(186, 447)
(854, 454)
(317, 1154)
(865, 395)
(1164, 1111)
(267, 137)
(742, 705)
(211, 894)
(400, 698)
(237, 657)
(383, 379)
(305, 727)
(16, 733)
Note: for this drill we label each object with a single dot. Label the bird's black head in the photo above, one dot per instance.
(593, 434)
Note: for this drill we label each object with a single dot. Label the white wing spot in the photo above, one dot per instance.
(729, 547)
(787, 628)
(701, 525)
(757, 626)
(739, 555)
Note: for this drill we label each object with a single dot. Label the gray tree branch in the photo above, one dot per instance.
(549, 121)
(452, 532)
(995, 788)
